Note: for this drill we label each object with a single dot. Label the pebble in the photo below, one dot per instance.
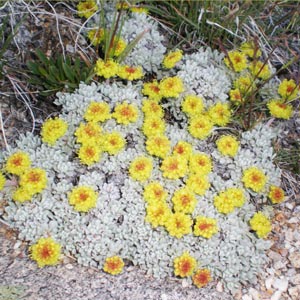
(219, 287)
(295, 279)
(246, 297)
(281, 284)
(279, 265)
(274, 255)
(268, 282)
(276, 295)
(185, 283)
(294, 292)
(254, 293)
(295, 259)
(17, 245)
(164, 297)
(69, 266)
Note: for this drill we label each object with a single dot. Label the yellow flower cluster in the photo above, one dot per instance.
(46, 252)
(97, 112)
(17, 163)
(228, 145)
(114, 142)
(141, 168)
(250, 49)
(279, 109)
(153, 125)
(260, 224)
(254, 178)
(157, 213)
(260, 69)
(184, 265)
(192, 105)
(220, 114)
(87, 8)
(152, 108)
(200, 163)
(236, 60)
(276, 194)
(184, 201)
(83, 198)
(174, 167)
(226, 201)
(183, 149)
(154, 192)
(288, 89)
(205, 227)
(125, 113)
(130, 73)
(172, 58)
(200, 127)
(152, 90)
(106, 69)
(198, 183)
(52, 130)
(158, 145)
(201, 278)
(113, 265)
(171, 87)
(96, 36)
(178, 224)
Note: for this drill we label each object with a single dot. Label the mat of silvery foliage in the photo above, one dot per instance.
(148, 171)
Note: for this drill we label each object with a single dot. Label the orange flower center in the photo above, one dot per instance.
(34, 177)
(113, 142)
(178, 223)
(281, 105)
(140, 166)
(46, 252)
(83, 196)
(96, 109)
(185, 266)
(17, 161)
(90, 152)
(173, 166)
(255, 178)
(289, 89)
(185, 200)
(179, 149)
(155, 89)
(89, 131)
(158, 192)
(277, 194)
(113, 265)
(126, 112)
(204, 226)
(130, 70)
(202, 278)
(237, 59)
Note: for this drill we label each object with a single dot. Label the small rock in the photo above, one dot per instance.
(281, 284)
(17, 245)
(276, 295)
(293, 220)
(164, 297)
(294, 292)
(289, 205)
(268, 283)
(274, 255)
(289, 235)
(279, 265)
(219, 287)
(254, 293)
(246, 297)
(185, 283)
(295, 259)
(69, 266)
(295, 279)
(238, 295)
(283, 252)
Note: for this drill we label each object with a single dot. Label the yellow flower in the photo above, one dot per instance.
(236, 60)
(96, 36)
(97, 112)
(113, 265)
(279, 109)
(205, 227)
(46, 252)
(228, 145)
(192, 105)
(89, 133)
(154, 192)
(157, 213)
(245, 84)
(130, 73)
(276, 194)
(250, 49)
(17, 163)
(87, 8)
(151, 108)
(33, 180)
(172, 58)
(259, 69)
(200, 127)
(106, 69)
(171, 87)
(183, 149)
(52, 130)
(153, 126)
(89, 153)
(119, 46)
(224, 203)
(113, 142)
(139, 10)
(179, 224)
(184, 265)
(237, 195)
(2, 181)
(83, 198)
(288, 89)
(22, 194)
(141, 168)
(152, 90)
(254, 179)
(200, 163)
(158, 145)
(260, 224)
(235, 96)
(220, 114)
(125, 113)
(198, 184)
(184, 201)
(174, 167)
(201, 278)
